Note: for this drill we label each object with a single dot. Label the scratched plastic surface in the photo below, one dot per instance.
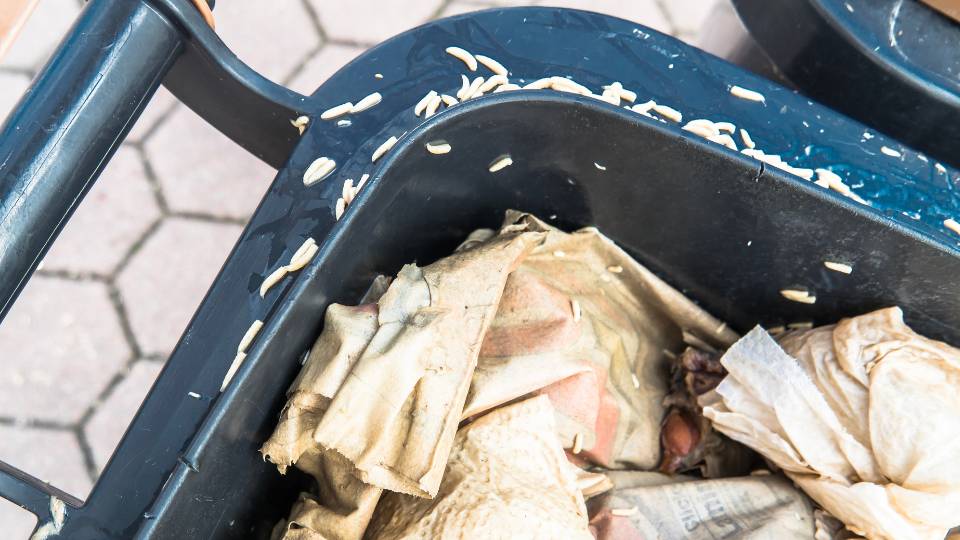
(907, 33)
(910, 189)
(532, 43)
(892, 64)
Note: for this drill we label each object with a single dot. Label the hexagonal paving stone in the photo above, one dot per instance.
(324, 64)
(372, 21)
(272, 37)
(202, 172)
(53, 456)
(109, 423)
(17, 522)
(111, 218)
(12, 87)
(645, 12)
(62, 344)
(41, 34)
(165, 281)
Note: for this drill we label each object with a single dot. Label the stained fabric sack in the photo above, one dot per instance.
(507, 477)
(583, 323)
(378, 402)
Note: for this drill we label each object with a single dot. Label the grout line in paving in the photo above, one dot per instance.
(315, 19)
(297, 69)
(198, 216)
(75, 429)
(89, 463)
(121, 310)
(36, 423)
(81, 424)
(152, 178)
(104, 394)
(128, 256)
(165, 209)
(72, 276)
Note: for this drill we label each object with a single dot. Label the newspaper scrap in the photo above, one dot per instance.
(677, 507)
(507, 477)
(862, 415)
(583, 323)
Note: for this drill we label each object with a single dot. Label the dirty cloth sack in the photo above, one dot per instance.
(863, 415)
(676, 507)
(583, 323)
(378, 402)
(344, 504)
(507, 477)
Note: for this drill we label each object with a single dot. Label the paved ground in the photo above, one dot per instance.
(92, 329)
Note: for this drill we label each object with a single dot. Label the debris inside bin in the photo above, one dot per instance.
(862, 415)
(507, 476)
(527, 385)
(681, 506)
(386, 412)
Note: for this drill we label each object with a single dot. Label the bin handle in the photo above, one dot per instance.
(57, 140)
(62, 133)
(250, 109)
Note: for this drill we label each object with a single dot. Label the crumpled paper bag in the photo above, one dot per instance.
(675, 507)
(507, 477)
(583, 323)
(378, 401)
(863, 416)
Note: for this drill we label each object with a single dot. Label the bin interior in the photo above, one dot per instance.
(722, 228)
